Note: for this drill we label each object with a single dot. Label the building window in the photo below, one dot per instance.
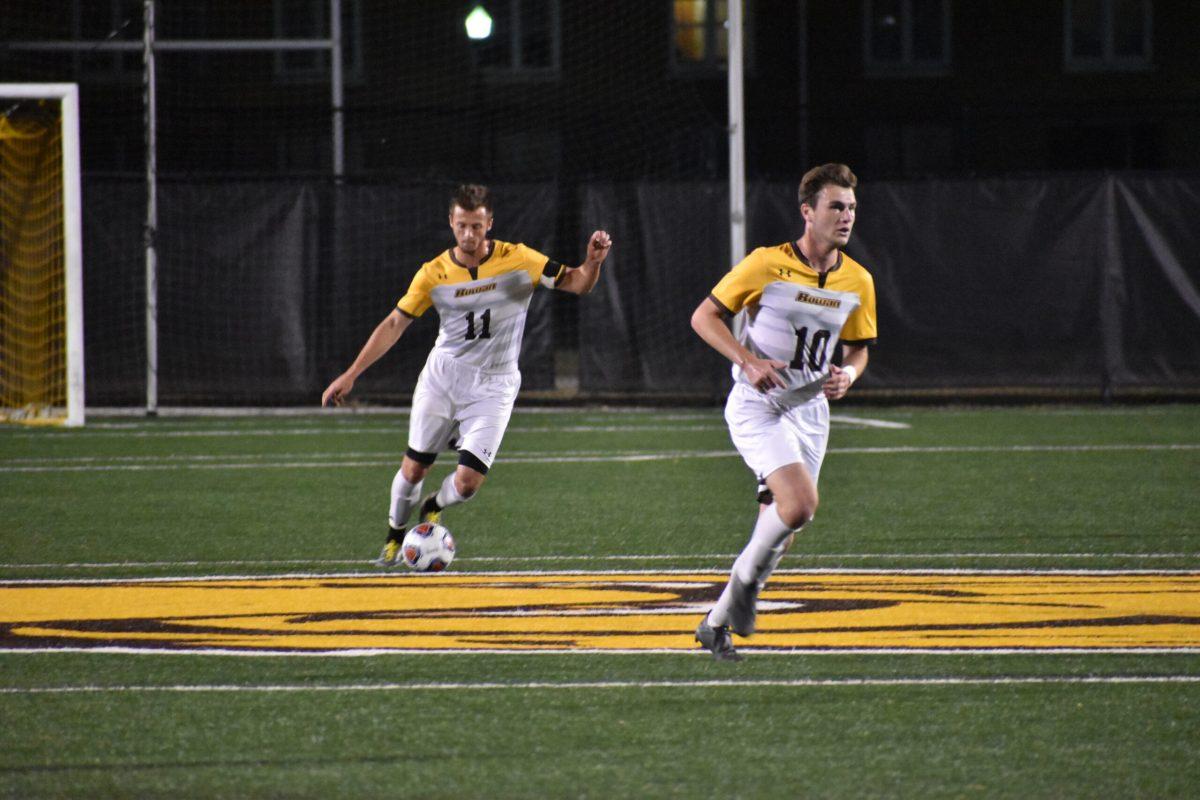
(309, 19)
(525, 41)
(700, 35)
(701, 32)
(906, 37)
(1107, 35)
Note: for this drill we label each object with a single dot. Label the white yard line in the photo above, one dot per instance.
(393, 454)
(399, 430)
(701, 423)
(867, 422)
(1018, 448)
(343, 460)
(1058, 680)
(137, 415)
(345, 413)
(882, 651)
(316, 462)
(587, 573)
(712, 557)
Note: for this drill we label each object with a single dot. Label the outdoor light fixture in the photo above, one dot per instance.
(479, 23)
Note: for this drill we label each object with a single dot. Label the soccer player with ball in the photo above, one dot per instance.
(481, 290)
(801, 298)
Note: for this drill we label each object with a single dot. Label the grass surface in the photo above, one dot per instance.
(964, 488)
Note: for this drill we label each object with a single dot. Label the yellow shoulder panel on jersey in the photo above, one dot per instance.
(743, 285)
(418, 298)
(445, 269)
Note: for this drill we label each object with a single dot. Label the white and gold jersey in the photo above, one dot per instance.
(797, 315)
(481, 309)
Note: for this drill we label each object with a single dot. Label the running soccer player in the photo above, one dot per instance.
(801, 298)
(481, 290)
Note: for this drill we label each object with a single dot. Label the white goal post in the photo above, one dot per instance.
(67, 96)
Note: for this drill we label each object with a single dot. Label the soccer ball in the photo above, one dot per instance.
(428, 547)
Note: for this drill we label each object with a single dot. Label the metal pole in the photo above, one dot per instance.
(737, 150)
(149, 46)
(802, 80)
(73, 241)
(150, 233)
(737, 142)
(337, 88)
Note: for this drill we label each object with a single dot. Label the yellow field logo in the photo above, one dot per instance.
(604, 612)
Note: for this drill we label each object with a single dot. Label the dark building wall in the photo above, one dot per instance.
(1008, 103)
(419, 108)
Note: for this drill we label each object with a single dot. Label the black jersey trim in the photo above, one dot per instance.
(491, 249)
(725, 312)
(421, 458)
(405, 313)
(468, 459)
(804, 260)
(554, 271)
(859, 342)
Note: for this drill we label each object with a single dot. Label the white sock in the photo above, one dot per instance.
(757, 559)
(405, 496)
(448, 495)
(769, 533)
(776, 556)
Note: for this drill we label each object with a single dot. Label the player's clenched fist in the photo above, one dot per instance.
(599, 245)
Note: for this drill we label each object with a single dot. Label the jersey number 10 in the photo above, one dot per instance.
(485, 325)
(817, 350)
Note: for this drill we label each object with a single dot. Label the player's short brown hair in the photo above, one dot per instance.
(470, 196)
(818, 178)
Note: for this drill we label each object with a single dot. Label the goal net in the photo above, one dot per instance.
(281, 240)
(41, 325)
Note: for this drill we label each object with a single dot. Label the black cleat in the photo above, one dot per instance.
(717, 641)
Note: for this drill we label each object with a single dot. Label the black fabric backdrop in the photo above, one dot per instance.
(268, 289)
(1066, 282)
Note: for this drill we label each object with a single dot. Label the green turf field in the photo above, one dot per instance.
(109, 701)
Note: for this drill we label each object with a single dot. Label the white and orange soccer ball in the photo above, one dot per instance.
(428, 547)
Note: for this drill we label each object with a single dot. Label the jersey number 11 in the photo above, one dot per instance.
(485, 325)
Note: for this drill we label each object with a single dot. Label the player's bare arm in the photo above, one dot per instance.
(708, 321)
(386, 334)
(854, 357)
(581, 279)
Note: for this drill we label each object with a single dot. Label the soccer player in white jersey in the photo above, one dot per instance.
(481, 290)
(801, 298)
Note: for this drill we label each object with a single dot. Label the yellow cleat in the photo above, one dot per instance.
(390, 555)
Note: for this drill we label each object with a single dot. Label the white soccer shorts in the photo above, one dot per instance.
(770, 435)
(451, 396)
